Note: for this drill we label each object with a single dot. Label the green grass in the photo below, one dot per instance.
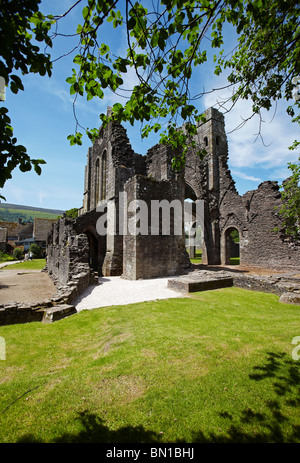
(198, 257)
(34, 264)
(12, 215)
(214, 367)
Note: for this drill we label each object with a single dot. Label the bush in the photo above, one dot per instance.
(72, 213)
(18, 254)
(4, 257)
(36, 250)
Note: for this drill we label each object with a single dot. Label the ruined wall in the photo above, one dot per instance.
(149, 255)
(67, 260)
(253, 214)
(111, 161)
(255, 217)
(203, 178)
(113, 168)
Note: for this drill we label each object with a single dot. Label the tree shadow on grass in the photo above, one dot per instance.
(95, 431)
(272, 425)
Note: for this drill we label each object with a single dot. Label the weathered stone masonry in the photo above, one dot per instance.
(77, 254)
(76, 250)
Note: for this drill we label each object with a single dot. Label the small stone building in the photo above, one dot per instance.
(116, 177)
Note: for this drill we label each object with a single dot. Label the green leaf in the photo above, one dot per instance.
(85, 12)
(75, 139)
(131, 23)
(117, 107)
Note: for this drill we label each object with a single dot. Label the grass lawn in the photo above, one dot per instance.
(34, 264)
(198, 257)
(213, 367)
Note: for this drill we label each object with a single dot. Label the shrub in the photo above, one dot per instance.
(18, 254)
(36, 251)
(4, 257)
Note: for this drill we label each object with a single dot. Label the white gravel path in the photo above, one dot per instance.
(119, 291)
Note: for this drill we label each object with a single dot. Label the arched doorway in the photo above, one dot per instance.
(232, 246)
(97, 250)
(93, 250)
(194, 233)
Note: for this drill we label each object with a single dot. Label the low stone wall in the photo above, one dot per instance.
(286, 285)
(13, 313)
(190, 284)
(55, 308)
(267, 284)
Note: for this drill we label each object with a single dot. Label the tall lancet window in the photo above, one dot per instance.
(97, 182)
(103, 177)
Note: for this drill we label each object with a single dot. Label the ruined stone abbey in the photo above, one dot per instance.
(77, 252)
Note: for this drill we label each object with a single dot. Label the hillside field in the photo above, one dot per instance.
(13, 212)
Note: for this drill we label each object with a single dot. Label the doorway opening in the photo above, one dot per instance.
(93, 250)
(194, 235)
(232, 246)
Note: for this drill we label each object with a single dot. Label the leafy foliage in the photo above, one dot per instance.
(166, 42)
(20, 23)
(18, 254)
(4, 257)
(165, 46)
(72, 213)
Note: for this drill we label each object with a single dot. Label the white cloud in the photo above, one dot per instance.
(244, 176)
(42, 195)
(256, 143)
(13, 193)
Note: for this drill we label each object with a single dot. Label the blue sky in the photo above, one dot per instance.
(42, 118)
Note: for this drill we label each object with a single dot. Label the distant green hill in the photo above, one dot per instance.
(14, 212)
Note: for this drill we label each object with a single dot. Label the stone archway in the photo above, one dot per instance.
(97, 250)
(232, 246)
(93, 250)
(208, 239)
(191, 228)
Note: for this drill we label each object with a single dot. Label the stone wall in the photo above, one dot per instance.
(149, 255)
(255, 217)
(68, 259)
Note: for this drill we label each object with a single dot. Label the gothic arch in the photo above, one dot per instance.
(230, 247)
(103, 175)
(97, 181)
(97, 248)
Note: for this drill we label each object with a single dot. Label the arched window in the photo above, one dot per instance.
(232, 246)
(103, 176)
(97, 181)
